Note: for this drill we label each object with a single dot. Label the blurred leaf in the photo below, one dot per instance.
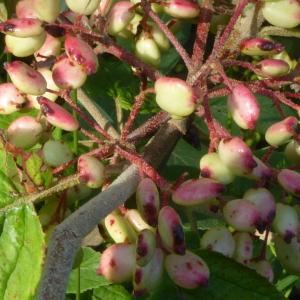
(111, 292)
(21, 254)
(3, 11)
(88, 277)
(286, 282)
(5, 120)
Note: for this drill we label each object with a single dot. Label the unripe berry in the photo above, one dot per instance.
(260, 46)
(286, 222)
(47, 74)
(171, 231)
(47, 10)
(219, 240)
(145, 248)
(291, 152)
(242, 215)
(67, 74)
(117, 263)
(104, 7)
(211, 166)
(243, 107)
(147, 199)
(288, 254)
(25, 78)
(118, 228)
(135, 219)
(25, 27)
(56, 153)
(24, 132)
(243, 252)
(24, 9)
(261, 171)
(272, 67)
(264, 202)
(264, 268)
(160, 38)
(236, 155)
(184, 9)
(81, 53)
(280, 132)
(147, 50)
(57, 116)
(290, 181)
(51, 47)
(11, 99)
(198, 191)
(157, 8)
(91, 171)
(282, 13)
(83, 7)
(22, 47)
(147, 278)
(120, 16)
(188, 271)
(175, 96)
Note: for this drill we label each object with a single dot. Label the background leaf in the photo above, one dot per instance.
(111, 292)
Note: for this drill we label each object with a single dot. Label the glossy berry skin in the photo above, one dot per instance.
(198, 191)
(211, 166)
(148, 277)
(57, 116)
(147, 200)
(288, 254)
(83, 7)
(282, 13)
(272, 68)
(264, 202)
(67, 74)
(261, 171)
(25, 27)
(175, 96)
(242, 215)
(171, 231)
(184, 9)
(24, 9)
(47, 10)
(120, 16)
(81, 53)
(260, 46)
(291, 152)
(24, 132)
(25, 78)
(51, 47)
(188, 271)
(281, 132)
(24, 46)
(118, 228)
(145, 247)
(243, 252)
(286, 222)
(237, 156)
(243, 107)
(219, 240)
(290, 181)
(56, 153)
(91, 171)
(11, 99)
(117, 263)
(136, 221)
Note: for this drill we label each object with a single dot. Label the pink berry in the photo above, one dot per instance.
(188, 271)
(195, 192)
(290, 181)
(81, 53)
(243, 252)
(260, 46)
(171, 231)
(67, 74)
(136, 220)
(24, 9)
(117, 263)
(11, 99)
(51, 47)
(184, 9)
(261, 171)
(145, 248)
(24, 132)
(57, 115)
(263, 268)
(243, 107)
(25, 78)
(272, 67)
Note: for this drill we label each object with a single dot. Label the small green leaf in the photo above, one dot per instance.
(88, 277)
(33, 167)
(111, 292)
(21, 254)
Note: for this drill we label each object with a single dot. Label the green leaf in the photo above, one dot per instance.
(21, 254)
(228, 280)
(88, 277)
(111, 292)
(286, 282)
(33, 167)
